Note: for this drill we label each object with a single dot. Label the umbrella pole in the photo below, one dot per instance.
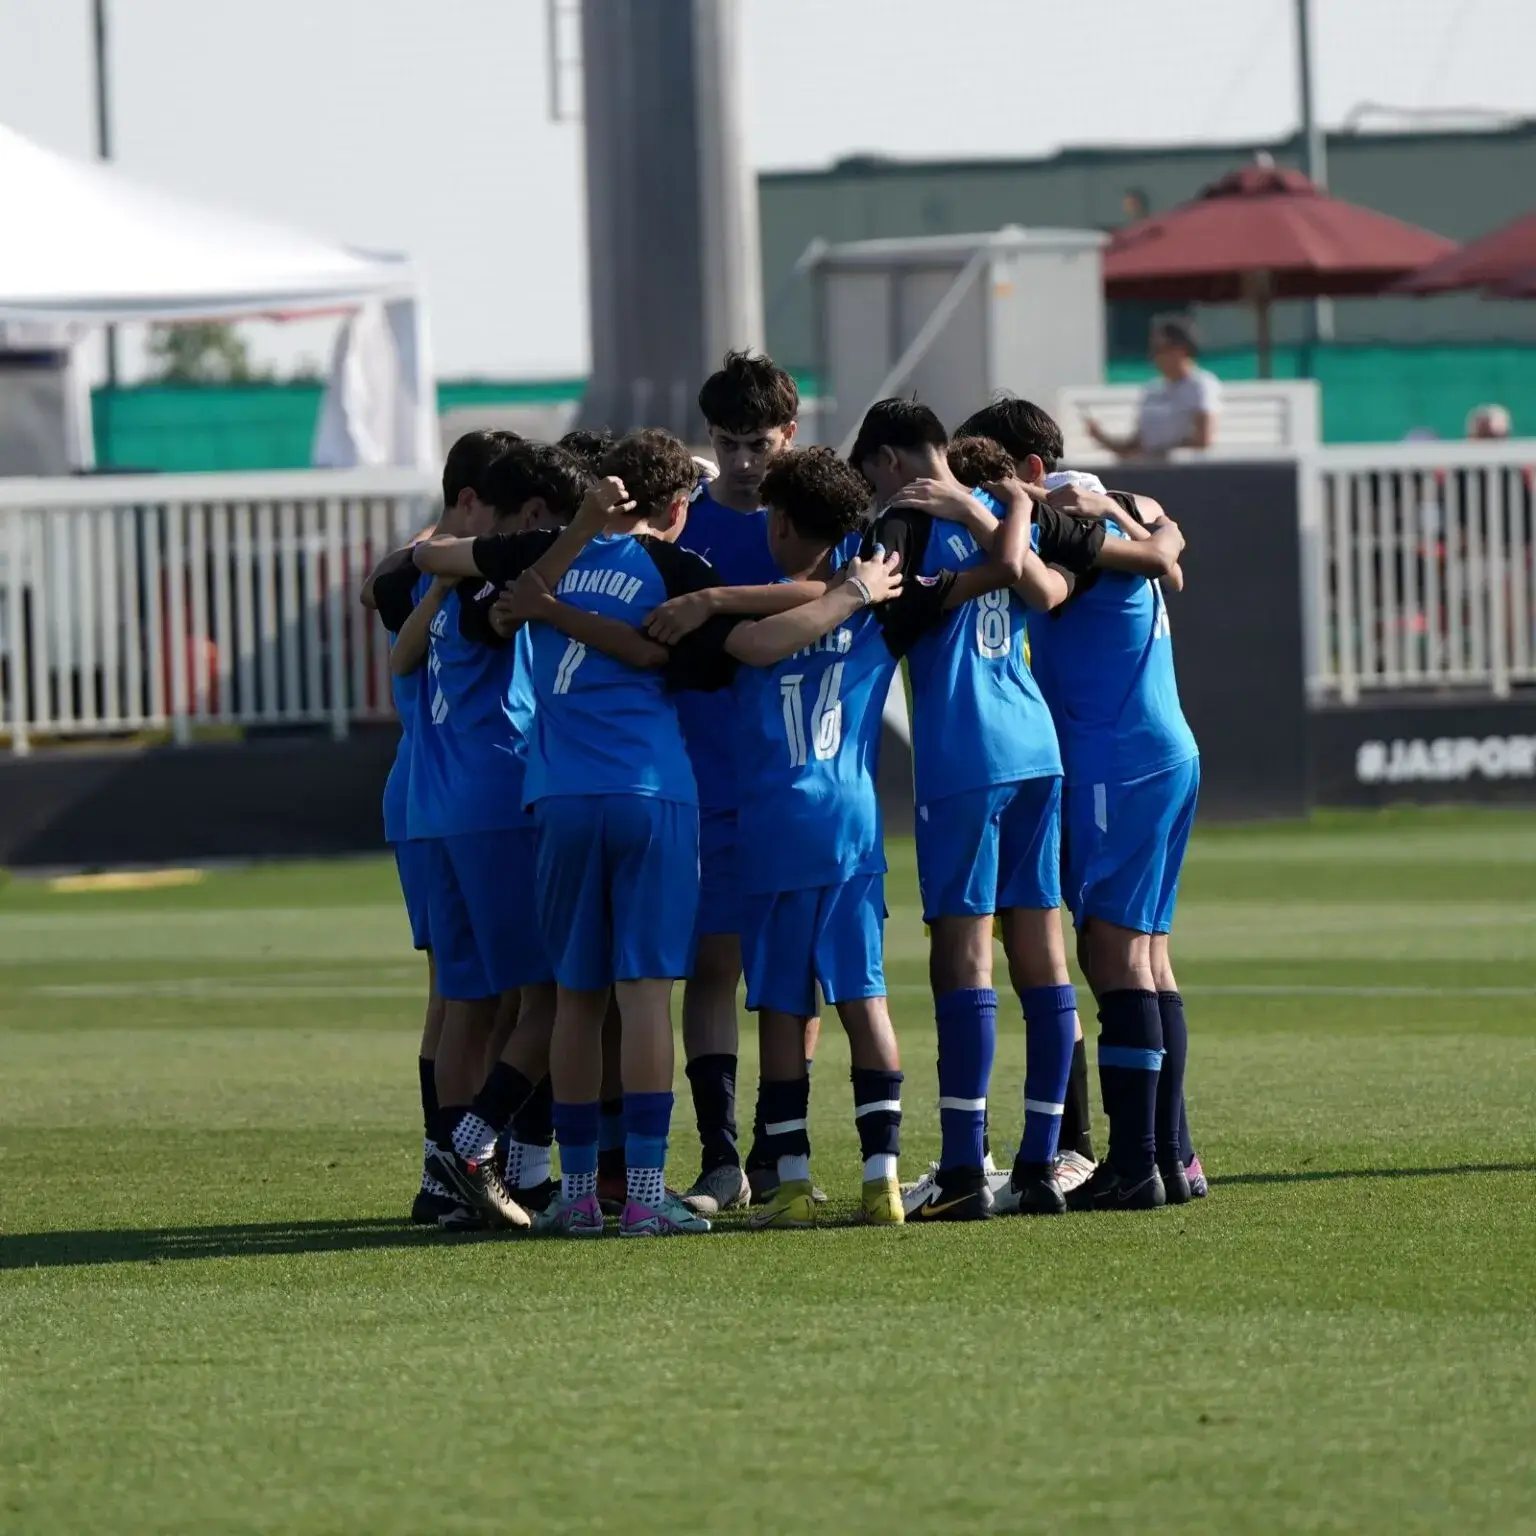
(1261, 316)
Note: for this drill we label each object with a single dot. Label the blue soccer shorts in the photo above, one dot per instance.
(483, 916)
(413, 865)
(988, 850)
(831, 934)
(1125, 847)
(618, 887)
(719, 874)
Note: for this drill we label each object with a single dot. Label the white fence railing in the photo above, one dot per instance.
(170, 602)
(1417, 567)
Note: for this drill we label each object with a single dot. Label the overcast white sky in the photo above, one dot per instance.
(419, 125)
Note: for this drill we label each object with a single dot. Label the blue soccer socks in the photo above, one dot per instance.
(1130, 1062)
(967, 1023)
(1050, 1017)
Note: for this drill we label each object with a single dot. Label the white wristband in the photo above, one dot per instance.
(865, 595)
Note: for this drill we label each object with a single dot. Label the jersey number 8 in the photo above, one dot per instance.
(826, 716)
(994, 624)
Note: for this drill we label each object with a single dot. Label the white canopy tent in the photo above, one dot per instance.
(86, 246)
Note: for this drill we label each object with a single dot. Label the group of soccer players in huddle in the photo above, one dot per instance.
(642, 709)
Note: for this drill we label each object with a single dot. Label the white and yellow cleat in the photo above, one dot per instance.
(880, 1205)
(793, 1205)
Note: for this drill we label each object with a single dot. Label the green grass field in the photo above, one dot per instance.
(212, 1317)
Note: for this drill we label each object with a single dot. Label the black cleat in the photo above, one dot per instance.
(430, 1206)
(536, 1197)
(1037, 1190)
(462, 1218)
(949, 1194)
(1176, 1187)
(1108, 1191)
(478, 1182)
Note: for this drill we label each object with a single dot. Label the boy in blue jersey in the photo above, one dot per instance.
(1104, 660)
(480, 898)
(749, 407)
(988, 786)
(464, 464)
(616, 810)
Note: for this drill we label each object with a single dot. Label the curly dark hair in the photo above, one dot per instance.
(750, 393)
(978, 460)
(527, 470)
(654, 467)
(896, 424)
(587, 446)
(823, 497)
(1020, 426)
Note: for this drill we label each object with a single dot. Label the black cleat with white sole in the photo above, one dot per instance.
(477, 1180)
(1038, 1191)
(951, 1194)
(1108, 1190)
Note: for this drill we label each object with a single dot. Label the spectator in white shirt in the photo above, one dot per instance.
(1180, 409)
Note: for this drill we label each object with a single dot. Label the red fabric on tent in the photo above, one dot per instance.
(1504, 261)
(1265, 220)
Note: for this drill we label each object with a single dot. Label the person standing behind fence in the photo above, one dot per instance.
(1178, 410)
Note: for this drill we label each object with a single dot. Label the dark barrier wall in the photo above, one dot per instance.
(294, 797)
(1237, 638)
(1427, 751)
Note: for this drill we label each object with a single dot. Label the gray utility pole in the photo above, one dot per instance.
(104, 140)
(672, 236)
(1314, 148)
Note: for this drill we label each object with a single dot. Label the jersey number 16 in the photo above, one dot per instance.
(826, 716)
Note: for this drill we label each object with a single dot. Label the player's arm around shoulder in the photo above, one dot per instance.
(412, 638)
(865, 582)
(529, 600)
(1012, 561)
(1154, 557)
(683, 614)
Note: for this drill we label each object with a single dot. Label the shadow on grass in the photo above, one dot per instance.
(1325, 1175)
(159, 1245)
(156, 1245)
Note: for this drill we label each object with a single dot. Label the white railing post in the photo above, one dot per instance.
(16, 629)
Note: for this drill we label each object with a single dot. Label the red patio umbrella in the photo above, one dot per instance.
(1259, 234)
(1503, 262)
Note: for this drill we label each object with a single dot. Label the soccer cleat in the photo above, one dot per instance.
(792, 1205)
(880, 1203)
(461, 1218)
(765, 1182)
(582, 1217)
(1199, 1185)
(1176, 1190)
(949, 1194)
(671, 1218)
(477, 1181)
(1072, 1170)
(1034, 1189)
(722, 1188)
(432, 1201)
(536, 1197)
(612, 1192)
(1108, 1191)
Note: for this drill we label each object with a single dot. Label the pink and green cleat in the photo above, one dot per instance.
(669, 1218)
(582, 1217)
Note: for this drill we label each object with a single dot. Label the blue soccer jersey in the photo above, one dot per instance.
(397, 787)
(433, 752)
(807, 735)
(601, 727)
(1105, 662)
(736, 545)
(978, 718)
